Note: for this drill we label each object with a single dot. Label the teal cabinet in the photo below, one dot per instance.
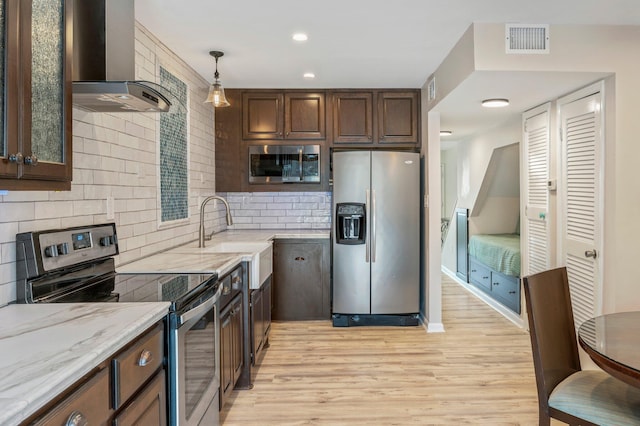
(35, 149)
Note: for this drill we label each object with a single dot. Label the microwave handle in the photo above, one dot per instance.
(300, 164)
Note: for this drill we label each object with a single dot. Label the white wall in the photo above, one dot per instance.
(473, 156)
(449, 159)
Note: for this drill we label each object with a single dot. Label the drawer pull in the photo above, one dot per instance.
(512, 292)
(485, 278)
(300, 258)
(473, 270)
(145, 358)
(77, 419)
(496, 283)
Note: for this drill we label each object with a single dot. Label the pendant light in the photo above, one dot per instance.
(216, 91)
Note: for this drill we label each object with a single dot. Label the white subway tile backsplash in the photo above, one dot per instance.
(294, 210)
(18, 196)
(8, 232)
(7, 252)
(53, 209)
(16, 212)
(87, 207)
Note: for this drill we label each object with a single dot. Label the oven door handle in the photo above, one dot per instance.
(200, 309)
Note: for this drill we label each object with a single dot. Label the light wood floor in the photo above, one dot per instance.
(479, 371)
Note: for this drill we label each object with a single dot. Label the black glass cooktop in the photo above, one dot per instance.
(96, 285)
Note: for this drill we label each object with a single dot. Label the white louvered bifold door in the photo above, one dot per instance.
(581, 198)
(535, 235)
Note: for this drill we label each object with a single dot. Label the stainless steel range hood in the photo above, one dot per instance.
(104, 60)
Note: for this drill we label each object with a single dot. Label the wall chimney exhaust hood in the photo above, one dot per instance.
(104, 60)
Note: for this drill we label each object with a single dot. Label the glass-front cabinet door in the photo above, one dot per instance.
(8, 82)
(37, 110)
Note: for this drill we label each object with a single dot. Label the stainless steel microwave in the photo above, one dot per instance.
(284, 164)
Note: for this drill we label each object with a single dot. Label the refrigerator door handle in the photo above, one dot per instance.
(373, 226)
(366, 239)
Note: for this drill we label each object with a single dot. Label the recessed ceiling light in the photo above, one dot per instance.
(446, 132)
(495, 103)
(309, 75)
(300, 37)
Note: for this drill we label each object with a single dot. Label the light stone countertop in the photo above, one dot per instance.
(190, 258)
(47, 347)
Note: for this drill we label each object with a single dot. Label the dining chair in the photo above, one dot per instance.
(565, 391)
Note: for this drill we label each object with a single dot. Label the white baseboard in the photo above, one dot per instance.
(431, 327)
(502, 310)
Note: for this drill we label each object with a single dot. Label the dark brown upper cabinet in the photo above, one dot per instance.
(262, 115)
(376, 118)
(304, 115)
(283, 115)
(35, 149)
(398, 117)
(353, 117)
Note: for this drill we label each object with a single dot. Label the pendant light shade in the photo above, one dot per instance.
(216, 91)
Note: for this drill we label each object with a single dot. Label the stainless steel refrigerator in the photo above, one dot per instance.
(376, 238)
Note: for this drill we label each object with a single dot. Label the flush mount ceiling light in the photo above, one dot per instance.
(300, 37)
(216, 91)
(446, 132)
(495, 103)
(309, 75)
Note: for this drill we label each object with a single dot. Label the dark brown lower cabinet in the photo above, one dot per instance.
(301, 279)
(149, 408)
(260, 319)
(231, 347)
(118, 391)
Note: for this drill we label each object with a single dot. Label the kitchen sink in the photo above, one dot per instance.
(261, 265)
(235, 247)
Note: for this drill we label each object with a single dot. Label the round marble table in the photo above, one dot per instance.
(613, 343)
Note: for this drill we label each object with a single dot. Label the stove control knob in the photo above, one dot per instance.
(51, 251)
(106, 241)
(63, 249)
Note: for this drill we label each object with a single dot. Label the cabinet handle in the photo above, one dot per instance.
(512, 292)
(77, 419)
(16, 158)
(484, 278)
(300, 259)
(145, 358)
(496, 283)
(473, 270)
(31, 160)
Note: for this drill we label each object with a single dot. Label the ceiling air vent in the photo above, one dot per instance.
(527, 39)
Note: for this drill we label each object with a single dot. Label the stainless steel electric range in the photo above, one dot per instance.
(77, 265)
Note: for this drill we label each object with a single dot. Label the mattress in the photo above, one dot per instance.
(500, 252)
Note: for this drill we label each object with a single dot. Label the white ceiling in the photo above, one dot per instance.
(365, 43)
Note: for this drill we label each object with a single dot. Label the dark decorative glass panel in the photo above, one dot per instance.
(47, 80)
(3, 142)
(174, 191)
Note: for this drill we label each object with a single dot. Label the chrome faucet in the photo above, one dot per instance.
(204, 202)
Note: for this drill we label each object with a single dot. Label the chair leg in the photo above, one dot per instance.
(544, 419)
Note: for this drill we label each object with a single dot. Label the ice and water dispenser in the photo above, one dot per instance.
(350, 223)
